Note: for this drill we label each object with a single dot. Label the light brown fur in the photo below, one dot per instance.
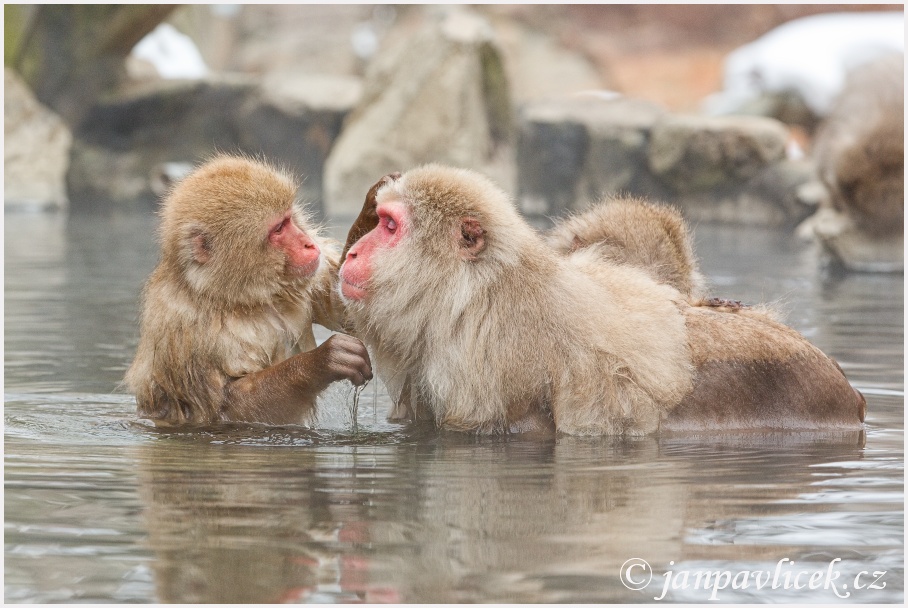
(520, 333)
(226, 330)
(654, 238)
(860, 148)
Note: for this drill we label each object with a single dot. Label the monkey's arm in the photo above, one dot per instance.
(285, 392)
(327, 306)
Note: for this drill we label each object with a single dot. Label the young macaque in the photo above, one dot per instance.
(479, 325)
(654, 238)
(226, 331)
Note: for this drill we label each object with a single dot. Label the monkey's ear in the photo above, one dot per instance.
(200, 246)
(472, 238)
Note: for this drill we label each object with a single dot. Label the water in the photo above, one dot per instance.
(101, 508)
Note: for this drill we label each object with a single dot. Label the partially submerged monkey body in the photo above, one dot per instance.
(479, 324)
(226, 330)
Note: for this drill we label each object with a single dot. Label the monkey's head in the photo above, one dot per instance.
(869, 182)
(443, 234)
(232, 230)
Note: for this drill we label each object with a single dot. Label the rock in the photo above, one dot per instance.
(729, 169)
(780, 194)
(125, 141)
(572, 151)
(124, 137)
(538, 66)
(696, 153)
(439, 95)
(551, 155)
(789, 187)
(36, 145)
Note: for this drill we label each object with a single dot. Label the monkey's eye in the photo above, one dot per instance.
(279, 228)
(389, 223)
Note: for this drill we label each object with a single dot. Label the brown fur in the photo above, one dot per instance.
(520, 334)
(226, 331)
(633, 231)
(755, 373)
(860, 149)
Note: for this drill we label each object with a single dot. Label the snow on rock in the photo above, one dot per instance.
(173, 54)
(810, 56)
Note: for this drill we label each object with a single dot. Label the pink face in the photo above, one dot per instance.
(357, 269)
(301, 252)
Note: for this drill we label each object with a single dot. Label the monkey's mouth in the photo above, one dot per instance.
(306, 270)
(352, 291)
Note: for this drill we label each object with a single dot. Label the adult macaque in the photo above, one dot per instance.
(860, 157)
(480, 325)
(860, 147)
(226, 332)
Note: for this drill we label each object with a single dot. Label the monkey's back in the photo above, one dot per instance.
(754, 373)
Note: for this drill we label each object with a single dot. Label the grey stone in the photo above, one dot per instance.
(438, 95)
(780, 194)
(790, 186)
(126, 139)
(36, 145)
(573, 151)
(550, 158)
(696, 153)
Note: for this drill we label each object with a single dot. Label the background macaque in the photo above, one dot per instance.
(860, 148)
(226, 331)
(476, 322)
(860, 157)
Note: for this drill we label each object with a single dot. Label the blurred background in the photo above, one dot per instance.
(764, 124)
(738, 114)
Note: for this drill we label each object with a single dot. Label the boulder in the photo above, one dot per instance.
(438, 95)
(128, 141)
(730, 169)
(572, 151)
(36, 145)
(697, 153)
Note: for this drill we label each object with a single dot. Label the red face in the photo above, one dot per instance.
(357, 268)
(302, 254)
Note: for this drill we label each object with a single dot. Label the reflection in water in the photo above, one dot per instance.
(101, 508)
(458, 519)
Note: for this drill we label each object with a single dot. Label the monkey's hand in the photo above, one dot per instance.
(285, 392)
(368, 218)
(343, 357)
